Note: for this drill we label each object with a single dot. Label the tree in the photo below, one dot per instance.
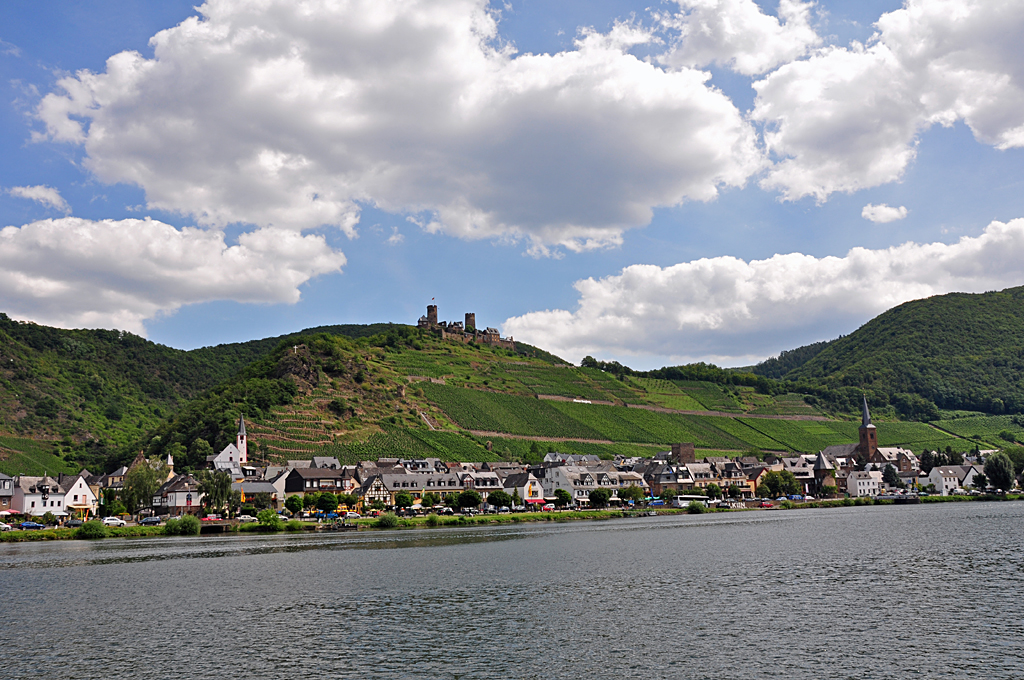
(294, 504)
(927, 461)
(269, 518)
(215, 487)
(403, 500)
(632, 493)
(500, 499)
(790, 485)
(999, 470)
(734, 491)
(452, 501)
(775, 484)
(141, 482)
(980, 481)
(430, 499)
(261, 500)
(349, 500)
(469, 499)
(713, 490)
(562, 498)
(327, 502)
(309, 499)
(891, 477)
(599, 497)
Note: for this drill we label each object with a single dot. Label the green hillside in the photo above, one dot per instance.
(956, 351)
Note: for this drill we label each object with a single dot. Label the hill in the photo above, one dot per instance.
(955, 352)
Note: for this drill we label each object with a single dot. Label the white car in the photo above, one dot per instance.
(246, 518)
(114, 522)
(352, 515)
(5, 527)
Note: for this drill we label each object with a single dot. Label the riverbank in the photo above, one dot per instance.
(389, 522)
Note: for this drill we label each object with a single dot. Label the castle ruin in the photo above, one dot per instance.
(464, 332)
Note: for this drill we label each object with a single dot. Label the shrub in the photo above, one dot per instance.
(786, 504)
(91, 529)
(188, 525)
(695, 508)
(432, 520)
(270, 519)
(294, 525)
(386, 521)
(171, 526)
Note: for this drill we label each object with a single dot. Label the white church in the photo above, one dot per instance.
(234, 456)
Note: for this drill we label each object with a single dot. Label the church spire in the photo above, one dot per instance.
(241, 423)
(240, 441)
(866, 418)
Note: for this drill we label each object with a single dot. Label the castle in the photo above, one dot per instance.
(467, 333)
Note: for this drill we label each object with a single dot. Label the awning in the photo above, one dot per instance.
(535, 500)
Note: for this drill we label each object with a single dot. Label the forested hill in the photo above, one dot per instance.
(107, 387)
(957, 351)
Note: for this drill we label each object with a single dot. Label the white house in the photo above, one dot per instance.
(38, 495)
(946, 478)
(178, 496)
(864, 483)
(79, 497)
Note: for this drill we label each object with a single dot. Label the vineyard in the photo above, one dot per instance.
(31, 457)
(986, 428)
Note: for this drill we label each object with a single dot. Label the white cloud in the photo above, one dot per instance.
(733, 311)
(74, 272)
(738, 35)
(396, 237)
(848, 118)
(289, 114)
(48, 196)
(883, 213)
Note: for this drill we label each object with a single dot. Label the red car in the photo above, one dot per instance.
(767, 504)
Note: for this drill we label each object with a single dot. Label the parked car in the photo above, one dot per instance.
(548, 507)
(73, 523)
(352, 515)
(5, 527)
(31, 526)
(212, 518)
(246, 518)
(114, 522)
(149, 521)
(503, 510)
(767, 504)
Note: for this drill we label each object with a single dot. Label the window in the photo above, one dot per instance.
(76, 497)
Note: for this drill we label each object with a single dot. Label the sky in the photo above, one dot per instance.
(653, 182)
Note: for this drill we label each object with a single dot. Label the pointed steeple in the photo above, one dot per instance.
(240, 441)
(241, 423)
(866, 418)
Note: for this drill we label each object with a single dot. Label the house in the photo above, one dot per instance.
(864, 483)
(947, 478)
(304, 480)
(529, 488)
(79, 497)
(373, 491)
(969, 471)
(38, 495)
(178, 496)
(6, 492)
(249, 489)
(329, 462)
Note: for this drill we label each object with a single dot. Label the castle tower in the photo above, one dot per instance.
(243, 454)
(470, 320)
(868, 434)
(432, 315)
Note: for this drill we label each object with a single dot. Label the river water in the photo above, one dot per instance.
(929, 591)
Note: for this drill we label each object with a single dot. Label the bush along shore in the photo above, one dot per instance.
(191, 526)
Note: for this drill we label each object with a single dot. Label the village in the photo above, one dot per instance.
(576, 482)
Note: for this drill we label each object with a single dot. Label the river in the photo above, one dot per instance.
(928, 591)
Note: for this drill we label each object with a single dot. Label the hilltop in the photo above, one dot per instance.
(952, 352)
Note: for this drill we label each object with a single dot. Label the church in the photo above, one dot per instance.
(867, 450)
(234, 456)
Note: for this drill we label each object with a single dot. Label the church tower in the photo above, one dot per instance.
(243, 454)
(868, 434)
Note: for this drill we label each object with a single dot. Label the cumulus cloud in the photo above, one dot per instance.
(75, 272)
(733, 311)
(883, 213)
(48, 196)
(847, 117)
(289, 115)
(737, 34)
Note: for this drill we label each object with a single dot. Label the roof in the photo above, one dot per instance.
(31, 484)
(241, 425)
(866, 417)
(325, 462)
(254, 487)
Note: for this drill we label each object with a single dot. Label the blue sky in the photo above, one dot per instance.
(672, 182)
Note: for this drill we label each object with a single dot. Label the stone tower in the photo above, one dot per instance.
(432, 315)
(684, 454)
(470, 320)
(240, 444)
(868, 434)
